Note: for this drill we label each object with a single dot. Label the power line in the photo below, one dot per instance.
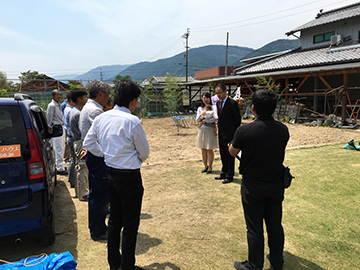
(220, 26)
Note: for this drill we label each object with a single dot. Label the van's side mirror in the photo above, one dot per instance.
(57, 131)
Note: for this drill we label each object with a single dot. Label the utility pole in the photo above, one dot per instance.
(186, 36)
(101, 75)
(227, 47)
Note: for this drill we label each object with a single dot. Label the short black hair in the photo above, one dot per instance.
(68, 95)
(126, 91)
(264, 101)
(222, 86)
(76, 93)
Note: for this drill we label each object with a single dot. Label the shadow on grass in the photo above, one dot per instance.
(296, 263)
(162, 266)
(145, 242)
(65, 230)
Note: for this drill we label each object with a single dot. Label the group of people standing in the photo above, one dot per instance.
(114, 146)
(262, 144)
(108, 146)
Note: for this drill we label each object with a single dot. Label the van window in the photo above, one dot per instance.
(13, 136)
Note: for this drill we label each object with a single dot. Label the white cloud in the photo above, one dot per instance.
(6, 32)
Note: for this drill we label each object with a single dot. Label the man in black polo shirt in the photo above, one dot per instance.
(263, 144)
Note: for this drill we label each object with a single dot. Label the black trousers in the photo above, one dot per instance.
(126, 192)
(228, 161)
(98, 200)
(263, 201)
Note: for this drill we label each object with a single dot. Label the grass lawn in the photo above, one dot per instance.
(191, 221)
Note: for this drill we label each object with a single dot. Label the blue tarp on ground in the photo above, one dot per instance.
(351, 146)
(54, 261)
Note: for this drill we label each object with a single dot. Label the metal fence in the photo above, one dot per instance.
(150, 105)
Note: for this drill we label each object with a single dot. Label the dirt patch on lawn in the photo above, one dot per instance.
(169, 149)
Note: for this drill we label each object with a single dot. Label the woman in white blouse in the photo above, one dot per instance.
(206, 139)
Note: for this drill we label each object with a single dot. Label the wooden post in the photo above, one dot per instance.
(189, 97)
(287, 98)
(343, 100)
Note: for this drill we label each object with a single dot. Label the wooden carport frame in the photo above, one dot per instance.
(320, 72)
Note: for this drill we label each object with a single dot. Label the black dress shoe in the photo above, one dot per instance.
(219, 177)
(204, 170)
(227, 180)
(242, 265)
(101, 237)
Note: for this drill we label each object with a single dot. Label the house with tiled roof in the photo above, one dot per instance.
(324, 72)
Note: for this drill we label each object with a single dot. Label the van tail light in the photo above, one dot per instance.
(36, 163)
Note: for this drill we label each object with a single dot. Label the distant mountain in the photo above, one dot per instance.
(65, 77)
(272, 47)
(199, 58)
(106, 73)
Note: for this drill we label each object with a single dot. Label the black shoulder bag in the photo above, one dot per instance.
(287, 177)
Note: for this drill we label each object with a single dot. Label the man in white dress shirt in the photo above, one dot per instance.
(54, 116)
(119, 137)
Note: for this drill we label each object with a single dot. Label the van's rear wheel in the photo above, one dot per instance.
(48, 237)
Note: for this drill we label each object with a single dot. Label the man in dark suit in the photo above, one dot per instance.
(229, 120)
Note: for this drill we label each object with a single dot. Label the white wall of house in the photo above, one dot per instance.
(348, 27)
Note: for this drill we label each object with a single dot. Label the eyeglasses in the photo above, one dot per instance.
(218, 93)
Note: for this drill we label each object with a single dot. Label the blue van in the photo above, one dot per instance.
(27, 170)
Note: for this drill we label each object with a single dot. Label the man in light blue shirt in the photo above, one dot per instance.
(66, 119)
(119, 137)
(98, 195)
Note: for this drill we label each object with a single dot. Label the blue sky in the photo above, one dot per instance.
(73, 36)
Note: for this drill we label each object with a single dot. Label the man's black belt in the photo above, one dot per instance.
(121, 170)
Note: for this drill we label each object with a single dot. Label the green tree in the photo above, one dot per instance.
(145, 98)
(28, 76)
(75, 84)
(5, 84)
(173, 94)
(3, 93)
(121, 78)
(3, 80)
(269, 84)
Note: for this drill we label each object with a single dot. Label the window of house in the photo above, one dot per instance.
(323, 37)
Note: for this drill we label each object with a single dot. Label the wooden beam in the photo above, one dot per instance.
(302, 82)
(325, 83)
(249, 87)
(310, 94)
(202, 86)
(343, 101)
(287, 98)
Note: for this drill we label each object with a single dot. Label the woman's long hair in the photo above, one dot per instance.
(206, 94)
